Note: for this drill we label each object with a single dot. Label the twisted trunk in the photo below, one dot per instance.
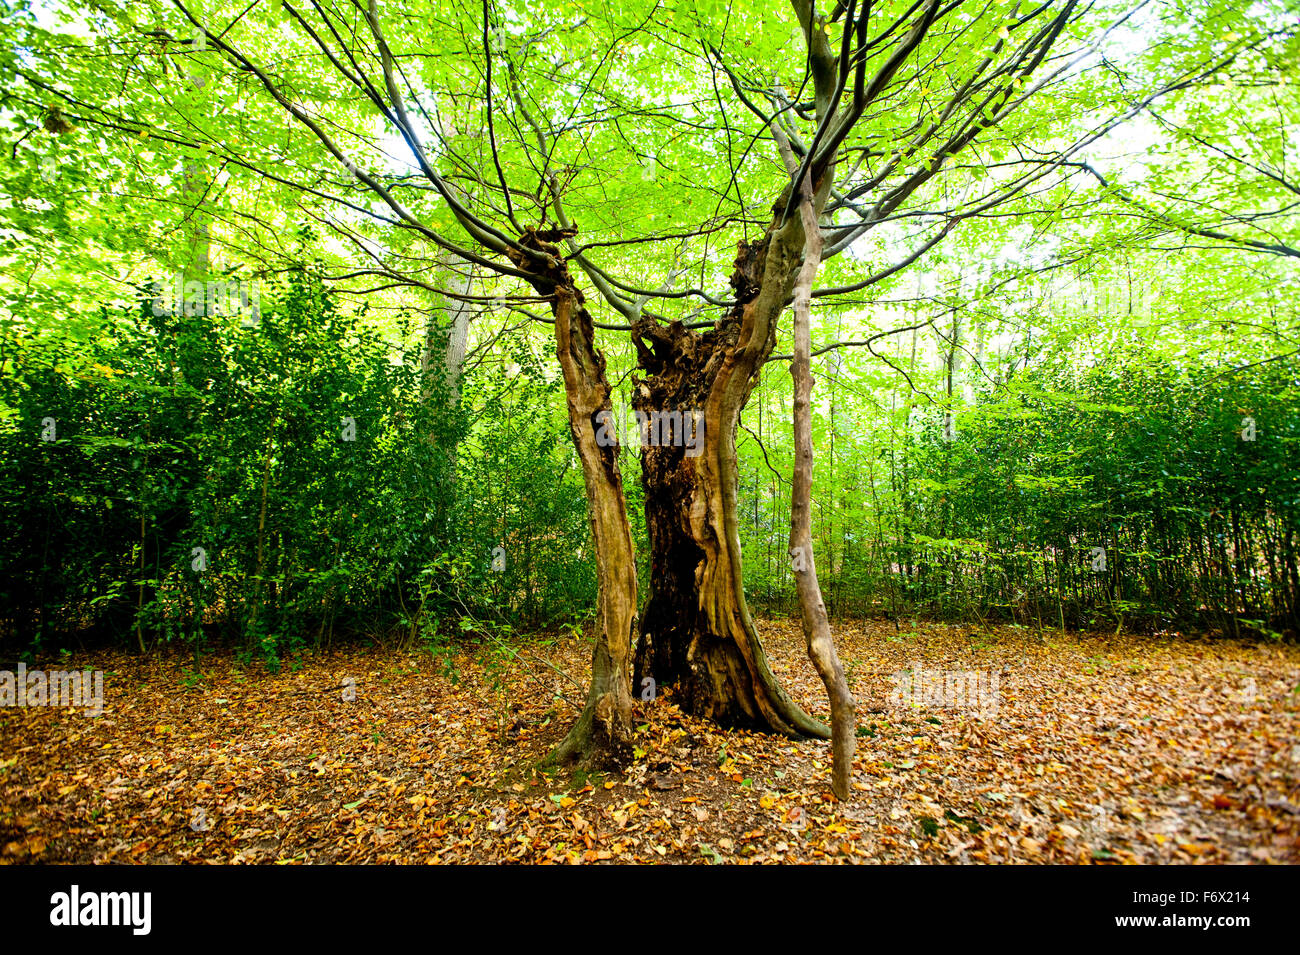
(697, 634)
(602, 736)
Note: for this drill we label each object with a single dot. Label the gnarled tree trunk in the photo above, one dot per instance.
(697, 633)
(602, 736)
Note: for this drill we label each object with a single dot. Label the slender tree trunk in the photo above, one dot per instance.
(442, 362)
(816, 626)
(451, 363)
(195, 184)
(261, 542)
(139, 608)
(197, 239)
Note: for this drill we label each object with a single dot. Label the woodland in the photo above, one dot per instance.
(843, 431)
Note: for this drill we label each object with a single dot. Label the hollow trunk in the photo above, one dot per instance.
(697, 634)
(602, 736)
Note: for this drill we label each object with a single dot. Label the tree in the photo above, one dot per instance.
(569, 126)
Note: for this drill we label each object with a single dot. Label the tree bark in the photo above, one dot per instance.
(602, 736)
(697, 634)
(816, 625)
(457, 312)
(442, 366)
(195, 184)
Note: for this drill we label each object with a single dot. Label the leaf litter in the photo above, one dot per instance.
(1101, 749)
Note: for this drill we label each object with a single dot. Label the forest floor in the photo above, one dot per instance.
(1077, 749)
